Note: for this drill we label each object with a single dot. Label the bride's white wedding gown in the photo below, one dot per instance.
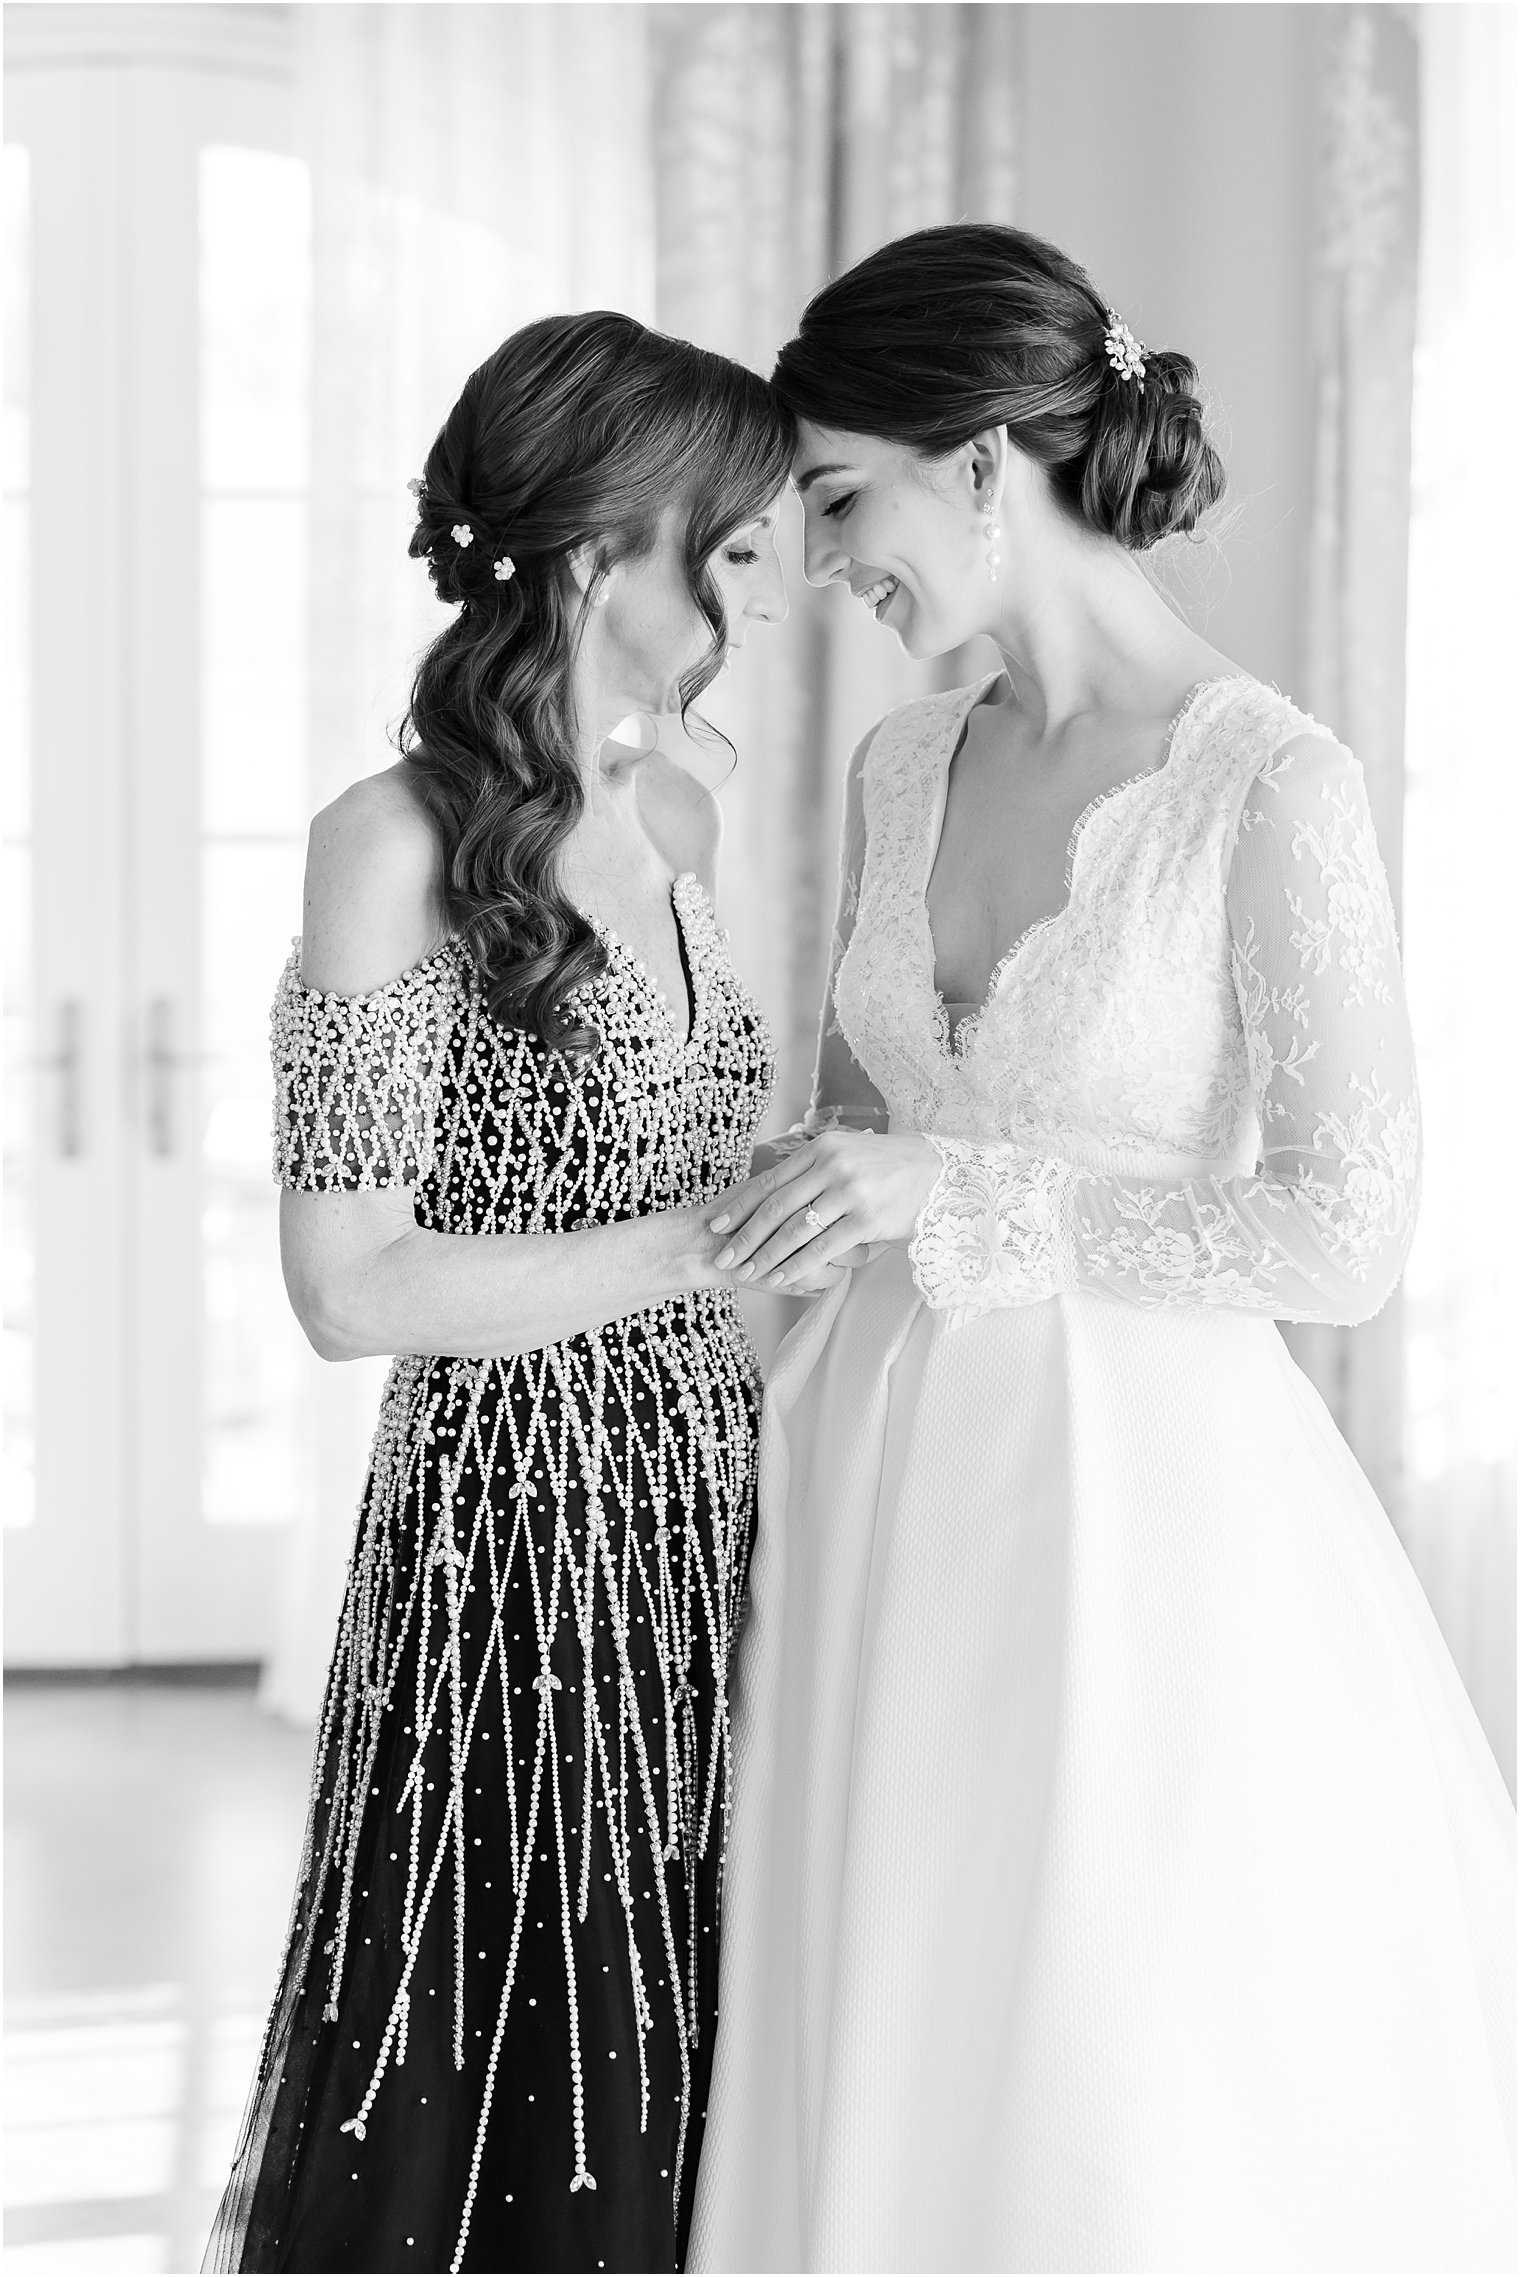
(1119, 1879)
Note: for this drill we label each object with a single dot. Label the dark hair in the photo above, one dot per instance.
(949, 331)
(578, 432)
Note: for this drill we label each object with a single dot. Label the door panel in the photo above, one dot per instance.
(175, 1400)
(68, 1581)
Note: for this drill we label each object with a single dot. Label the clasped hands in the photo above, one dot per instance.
(798, 1224)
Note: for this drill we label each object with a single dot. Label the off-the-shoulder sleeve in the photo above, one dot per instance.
(844, 1097)
(357, 1079)
(1321, 1230)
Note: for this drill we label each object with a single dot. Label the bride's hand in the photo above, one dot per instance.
(831, 1197)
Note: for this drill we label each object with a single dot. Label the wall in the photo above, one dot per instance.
(1208, 113)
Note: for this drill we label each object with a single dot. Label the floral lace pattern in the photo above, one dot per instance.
(990, 1239)
(1192, 1085)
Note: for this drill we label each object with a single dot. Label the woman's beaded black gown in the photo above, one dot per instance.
(490, 2044)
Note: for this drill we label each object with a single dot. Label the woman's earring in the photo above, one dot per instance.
(994, 540)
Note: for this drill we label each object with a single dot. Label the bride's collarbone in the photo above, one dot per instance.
(979, 913)
(999, 870)
(1001, 866)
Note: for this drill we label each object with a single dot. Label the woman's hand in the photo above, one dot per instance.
(829, 1198)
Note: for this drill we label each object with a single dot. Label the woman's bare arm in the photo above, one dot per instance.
(362, 1276)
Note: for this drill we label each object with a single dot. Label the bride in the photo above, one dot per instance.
(1119, 1878)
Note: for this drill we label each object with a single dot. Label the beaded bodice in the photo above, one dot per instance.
(417, 1084)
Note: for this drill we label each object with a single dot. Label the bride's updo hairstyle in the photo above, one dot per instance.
(949, 331)
(578, 432)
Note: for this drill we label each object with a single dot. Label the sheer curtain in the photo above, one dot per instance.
(1461, 821)
(1412, 600)
(704, 168)
(1364, 319)
(472, 167)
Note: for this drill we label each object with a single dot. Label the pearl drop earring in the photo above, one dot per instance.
(994, 540)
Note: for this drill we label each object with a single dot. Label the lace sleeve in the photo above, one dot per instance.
(356, 1079)
(1321, 1230)
(843, 1094)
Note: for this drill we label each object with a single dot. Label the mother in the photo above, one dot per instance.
(513, 1062)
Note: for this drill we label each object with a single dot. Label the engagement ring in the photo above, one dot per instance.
(810, 1217)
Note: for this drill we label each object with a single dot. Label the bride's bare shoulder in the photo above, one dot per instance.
(372, 906)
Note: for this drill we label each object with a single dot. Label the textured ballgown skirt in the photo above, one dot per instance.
(1120, 1879)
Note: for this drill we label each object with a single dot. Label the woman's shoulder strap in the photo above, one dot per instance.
(912, 731)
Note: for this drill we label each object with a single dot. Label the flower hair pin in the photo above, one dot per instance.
(464, 534)
(1124, 351)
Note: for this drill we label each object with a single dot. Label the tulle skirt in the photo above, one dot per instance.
(1120, 1879)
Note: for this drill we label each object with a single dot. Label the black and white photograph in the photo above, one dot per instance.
(759, 1458)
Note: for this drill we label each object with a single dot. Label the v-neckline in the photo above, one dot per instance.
(950, 1041)
(691, 965)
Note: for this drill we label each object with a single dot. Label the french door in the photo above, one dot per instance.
(161, 1405)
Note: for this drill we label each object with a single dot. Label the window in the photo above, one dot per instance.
(161, 1399)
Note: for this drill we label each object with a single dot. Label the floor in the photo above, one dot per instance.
(151, 1838)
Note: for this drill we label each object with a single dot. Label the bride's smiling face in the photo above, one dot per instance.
(905, 533)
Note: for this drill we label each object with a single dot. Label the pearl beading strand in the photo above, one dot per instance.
(419, 1085)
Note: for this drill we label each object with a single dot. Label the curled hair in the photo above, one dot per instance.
(579, 432)
(944, 333)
